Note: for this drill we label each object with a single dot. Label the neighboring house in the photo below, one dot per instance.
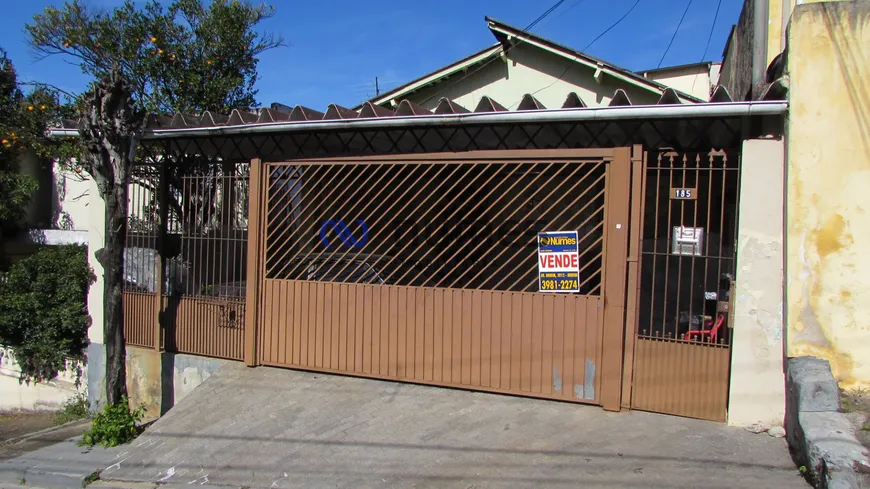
(696, 79)
(524, 63)
(59, 213)
(818, 53)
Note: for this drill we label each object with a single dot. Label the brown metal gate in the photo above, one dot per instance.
(682, 345)
(423, 268)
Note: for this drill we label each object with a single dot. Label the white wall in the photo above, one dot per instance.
(757, 390)
(44, 396)
(79, 198)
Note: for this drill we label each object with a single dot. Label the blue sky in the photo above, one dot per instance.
(340, 46)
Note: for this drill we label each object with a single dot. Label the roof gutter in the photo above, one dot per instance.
(681, 111)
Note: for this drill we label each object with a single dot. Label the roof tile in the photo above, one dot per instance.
(282, 113)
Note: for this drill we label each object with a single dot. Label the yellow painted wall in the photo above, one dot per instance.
(828, 187)
(774, 29)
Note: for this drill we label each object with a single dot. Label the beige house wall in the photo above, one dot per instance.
(695, 80)
(79, 199)
(757, 389)
(547, 76)
(828, 188)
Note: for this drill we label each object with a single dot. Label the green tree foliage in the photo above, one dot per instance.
(186, 57)
(189, 56)
(43, 311)
(22, 123)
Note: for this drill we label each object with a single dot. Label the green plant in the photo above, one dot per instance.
(75, 408)
(865, 426)
(846, 405)
(43, 312)
(94, 477)
(114, 425)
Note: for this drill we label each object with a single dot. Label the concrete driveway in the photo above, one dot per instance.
(271, 428)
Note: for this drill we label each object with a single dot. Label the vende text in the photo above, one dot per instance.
(557, 261)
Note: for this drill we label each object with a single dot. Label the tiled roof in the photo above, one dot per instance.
(406, 108)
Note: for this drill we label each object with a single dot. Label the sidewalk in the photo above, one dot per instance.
(277, 429)
(121, 485)
(30, 442)
(52, 460)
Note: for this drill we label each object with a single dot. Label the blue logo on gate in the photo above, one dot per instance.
(344, 233)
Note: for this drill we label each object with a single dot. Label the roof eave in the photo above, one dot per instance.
(704, 110)
(704, 64)
(586, 60)
(446, 71)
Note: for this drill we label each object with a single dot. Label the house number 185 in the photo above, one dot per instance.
(684, 194)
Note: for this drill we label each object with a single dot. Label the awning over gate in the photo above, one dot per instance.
(274, 135)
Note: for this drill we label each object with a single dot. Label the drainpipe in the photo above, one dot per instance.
(759, 42)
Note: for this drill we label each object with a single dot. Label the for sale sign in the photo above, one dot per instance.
(558, 262)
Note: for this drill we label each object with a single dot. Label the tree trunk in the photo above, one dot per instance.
(113, 310)
(109, 129)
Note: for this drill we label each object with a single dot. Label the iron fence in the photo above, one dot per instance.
(689, 241)
(202, 247)
(459, 224)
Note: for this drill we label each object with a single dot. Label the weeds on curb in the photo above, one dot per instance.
(74, 409)
(114, 425)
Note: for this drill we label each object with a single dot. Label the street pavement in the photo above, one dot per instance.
(276, 429)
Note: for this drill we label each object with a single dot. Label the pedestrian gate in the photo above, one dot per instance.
(423, 268)
(682, 343)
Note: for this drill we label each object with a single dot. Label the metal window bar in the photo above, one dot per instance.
(459, 224)
(687, 276)
(141, 261)
(206, 258)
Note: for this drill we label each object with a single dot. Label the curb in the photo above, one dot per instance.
(821, 437)
(48, 479)
(116, 484)
(13, 441)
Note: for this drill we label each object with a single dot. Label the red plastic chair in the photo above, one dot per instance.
(712, 332)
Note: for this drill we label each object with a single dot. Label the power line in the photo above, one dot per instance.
(544, 15)
(675, 34)
(565, 11)
(526, 30)
(709, 38)
(584, 49)
(712, 27)
(612, 26)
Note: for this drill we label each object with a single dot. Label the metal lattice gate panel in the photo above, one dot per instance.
(426, 270)
(436, 224)
(683, 342)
